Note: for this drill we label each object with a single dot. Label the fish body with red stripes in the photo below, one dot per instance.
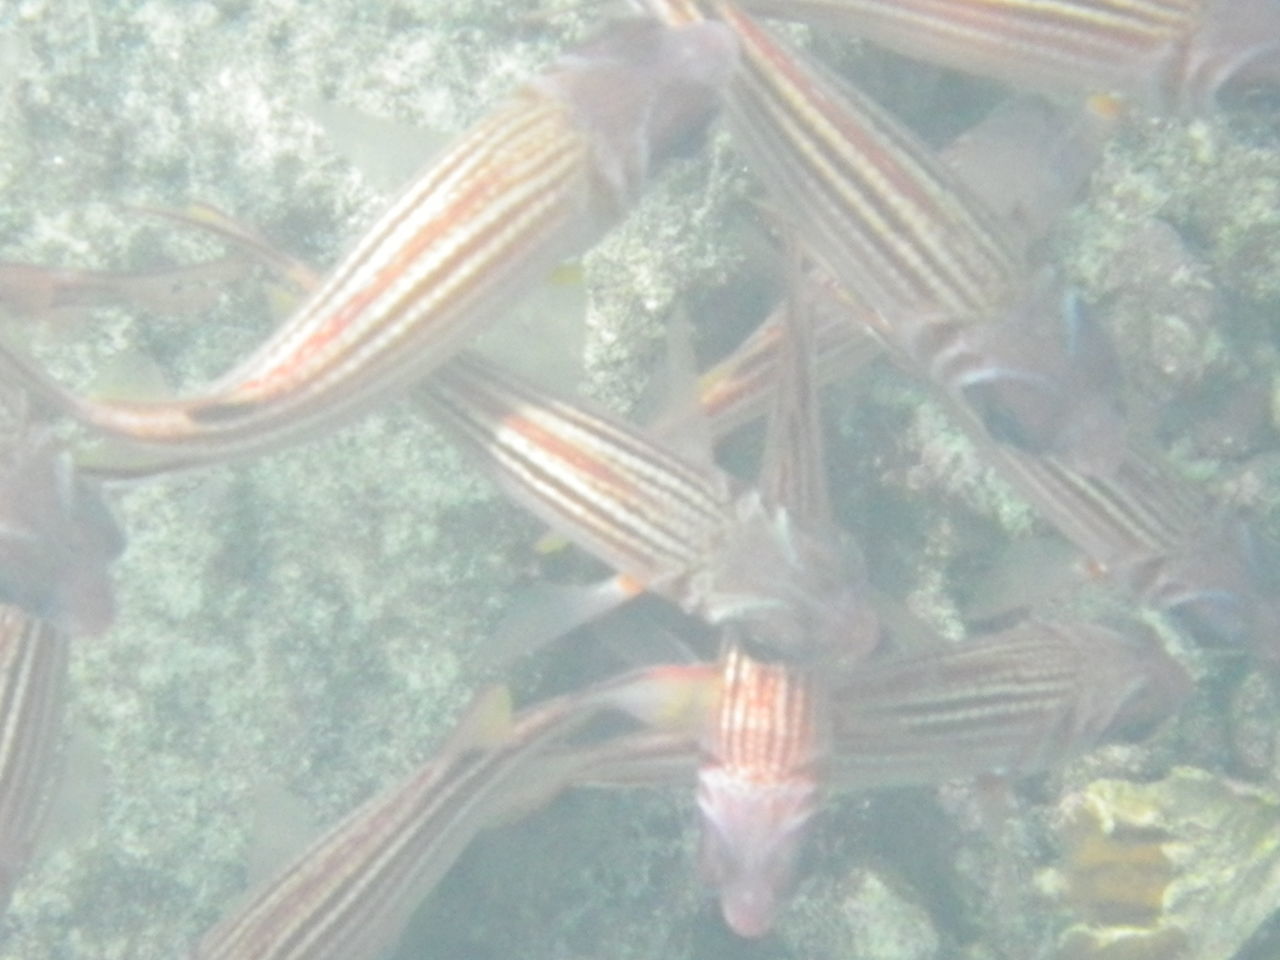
(927, 264)
(672, 524)
(34, 657)
(759, 784)
(1165, 55)
(538, 180)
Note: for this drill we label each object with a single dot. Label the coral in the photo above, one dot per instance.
(1189, 865)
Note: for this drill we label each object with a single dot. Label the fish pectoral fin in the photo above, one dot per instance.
(486, 723)
(546, 612)
(674, 698)
(681, 425)
(543, 337)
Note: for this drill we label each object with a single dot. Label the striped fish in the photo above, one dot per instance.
(1161, 538)
(33, 673)
(758, 781)
(941, 279)
(536, 181)
(1165, 55)
(775, 734)
(1025, 160)
(1014, 703)
(894, 226)
(348, 895)
(649, 513)
(668, 524)
(758, 784)
(1010, 704)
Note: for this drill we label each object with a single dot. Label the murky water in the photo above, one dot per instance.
(298, 631)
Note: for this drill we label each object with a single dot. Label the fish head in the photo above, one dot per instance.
(641, 92)
(797, 594)
(752, 833)
(1045, 380)
(1138, 680)
(1236, 50)
(1222, 588)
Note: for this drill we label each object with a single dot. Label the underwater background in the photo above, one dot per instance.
(299, 630)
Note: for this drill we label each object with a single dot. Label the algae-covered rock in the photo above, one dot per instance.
(1188, 866)
(862, 914)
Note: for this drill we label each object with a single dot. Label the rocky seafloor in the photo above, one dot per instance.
(298, 630)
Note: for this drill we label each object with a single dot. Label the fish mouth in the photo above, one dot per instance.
(749, 910)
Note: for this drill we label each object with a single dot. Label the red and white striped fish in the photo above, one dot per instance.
(1013, 703)
(777, 735)
(759, 784)
(536, 181)
(759, 779)
(1167, 55)
(940, 277)
(33, 681)
(670, 524)
(350, 893)
(1027, 161)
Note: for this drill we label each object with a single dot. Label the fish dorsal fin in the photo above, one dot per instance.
(386, 153)
(543, 613)
(681, 426)
(793, 471)
(295, 274)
